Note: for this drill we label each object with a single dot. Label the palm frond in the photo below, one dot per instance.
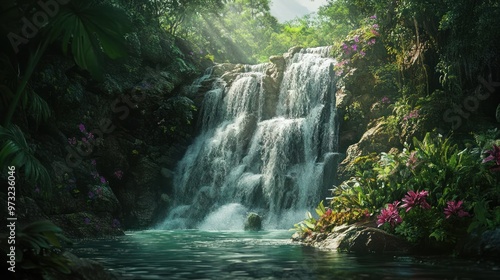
(37, 108)
(14, 151)
(91, 29)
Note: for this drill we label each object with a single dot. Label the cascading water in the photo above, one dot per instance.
(273, 155)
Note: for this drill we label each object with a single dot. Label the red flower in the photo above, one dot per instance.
(389, 215)
(455, 208)
(413, 199)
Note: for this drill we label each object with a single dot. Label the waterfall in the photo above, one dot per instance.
(259, 150)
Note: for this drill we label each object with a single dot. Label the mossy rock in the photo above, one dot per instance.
(253, 222)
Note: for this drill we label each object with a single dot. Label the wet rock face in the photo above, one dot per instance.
(485, 245)
(357, 239)
(253, 222)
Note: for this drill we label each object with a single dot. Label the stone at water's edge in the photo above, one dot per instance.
(357, 239)
(253, 222)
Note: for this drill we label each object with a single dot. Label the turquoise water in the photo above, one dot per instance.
(194, 254)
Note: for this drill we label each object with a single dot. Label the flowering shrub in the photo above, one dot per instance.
(430, 192)
(357, 45)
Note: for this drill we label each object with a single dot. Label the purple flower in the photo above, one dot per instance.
(373, 17)
(93, 162)
(374, 32)
(37, 189)
(86, 220)
(118, 174)
(356, 38)
(90, 136)
(354, 47)
(91, 194)
(371, 42)
(72, 141)
(493, 155)
(103, 180)
(412, 115)
(82, 127)
(375, 26)
(115, 223)
(455, 209)
(389, 215)
(84, 140)
(362, 53)
(413, 199)
(385, 99)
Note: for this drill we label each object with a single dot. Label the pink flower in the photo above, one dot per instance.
(373, 17)
(374, 32)
(385, 99)
(356, 38)
(375, 26)
(413, 199)
(90, 136)
(362, 53)
(371, 42)
(412, 160)
(81, 127)
(389, 215)
(455, 208)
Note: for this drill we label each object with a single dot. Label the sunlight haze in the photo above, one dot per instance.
(285, 10)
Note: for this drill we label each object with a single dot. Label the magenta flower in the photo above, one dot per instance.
(82, 127)
(455, 209)
(371, 42)
(118, 174)
(355, 47)
(389, 215)
(493, 155)
(413, 199)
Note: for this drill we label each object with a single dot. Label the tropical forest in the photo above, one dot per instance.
(250, 139)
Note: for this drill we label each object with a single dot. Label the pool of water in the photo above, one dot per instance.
(194, 254)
